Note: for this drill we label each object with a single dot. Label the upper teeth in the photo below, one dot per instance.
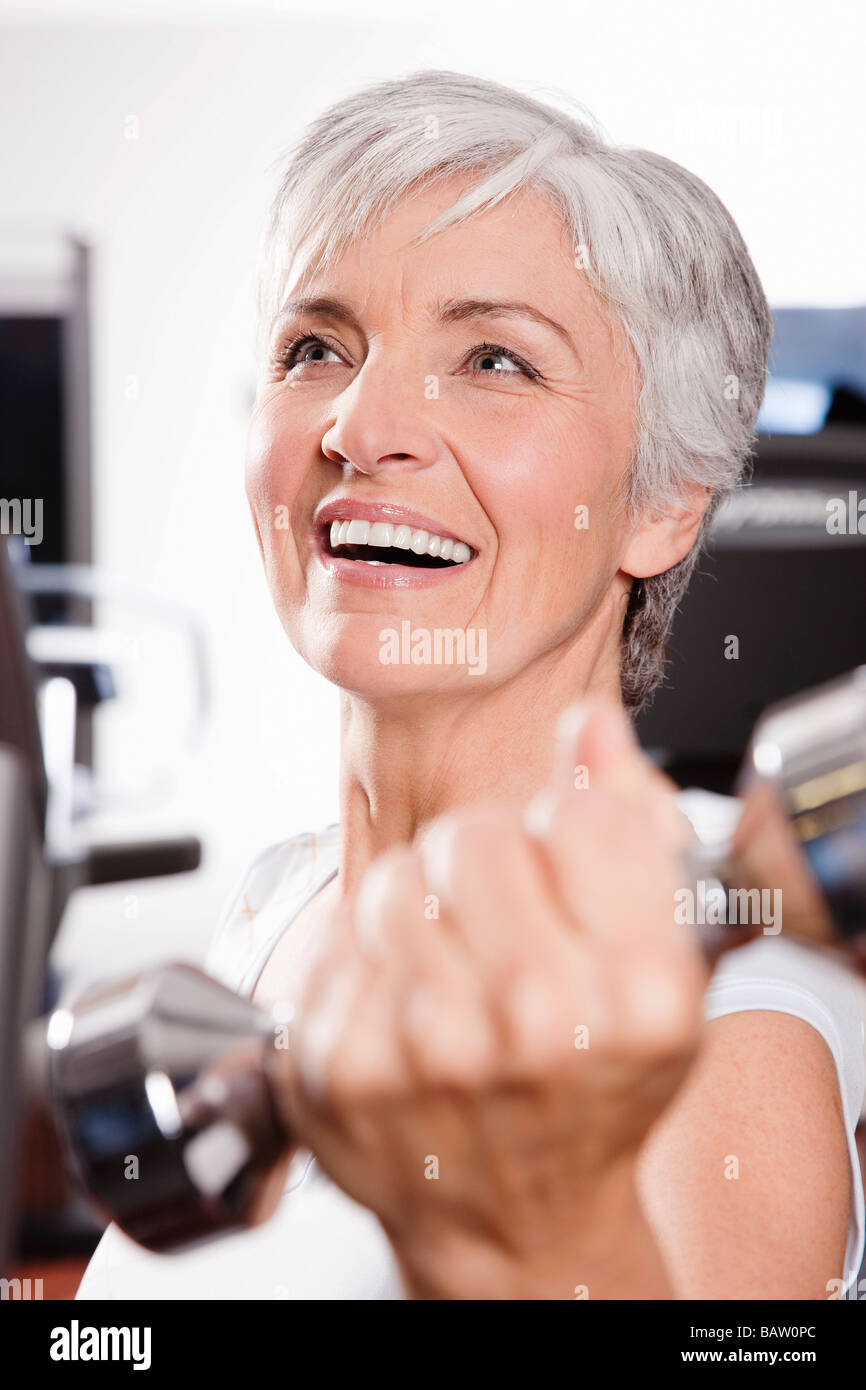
(383, 534)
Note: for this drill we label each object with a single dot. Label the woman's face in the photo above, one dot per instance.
(410, 399)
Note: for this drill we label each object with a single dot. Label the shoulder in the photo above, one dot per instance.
(780, 1083)
(270, 892)
(774, 973)
(751, 1178)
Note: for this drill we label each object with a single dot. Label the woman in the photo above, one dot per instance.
(508, 373)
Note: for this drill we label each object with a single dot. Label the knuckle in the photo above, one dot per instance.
(484, 831)
(384, 888)
(570, 813)
(537, 1013)
(597, 815)
(355, 1082)
(456, 1053)
(661, 1014)
(388, 872)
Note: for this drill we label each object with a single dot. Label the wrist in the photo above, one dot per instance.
(599, 1247)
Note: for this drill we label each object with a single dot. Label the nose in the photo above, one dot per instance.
(381, 425)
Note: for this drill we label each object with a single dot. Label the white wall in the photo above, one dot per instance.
(764, 101)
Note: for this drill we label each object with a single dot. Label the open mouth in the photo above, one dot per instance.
(383, 543)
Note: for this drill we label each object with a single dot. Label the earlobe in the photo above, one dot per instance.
(658, 544)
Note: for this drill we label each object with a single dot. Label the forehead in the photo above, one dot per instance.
(518, 249)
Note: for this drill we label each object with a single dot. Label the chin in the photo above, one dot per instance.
(383, 656)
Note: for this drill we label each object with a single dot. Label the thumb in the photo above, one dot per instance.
(596, 747)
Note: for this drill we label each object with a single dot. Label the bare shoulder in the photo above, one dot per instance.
(746, 1179)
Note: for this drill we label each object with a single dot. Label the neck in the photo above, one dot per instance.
(403, 763)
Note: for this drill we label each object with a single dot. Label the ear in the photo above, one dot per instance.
(658, 543)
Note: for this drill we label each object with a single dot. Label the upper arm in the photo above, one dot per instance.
(745, 1180)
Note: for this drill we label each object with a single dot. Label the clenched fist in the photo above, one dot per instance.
(497, 1020)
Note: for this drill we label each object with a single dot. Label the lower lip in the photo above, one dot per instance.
(385, 576)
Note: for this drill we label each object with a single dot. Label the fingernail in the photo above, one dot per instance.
(571, 721)
(568, 731)
(538, 815)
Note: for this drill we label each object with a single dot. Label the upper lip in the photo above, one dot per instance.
(347, 508)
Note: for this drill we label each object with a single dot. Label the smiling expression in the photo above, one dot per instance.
(427, 421)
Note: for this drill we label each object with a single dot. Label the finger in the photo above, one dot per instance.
(596, 748)
(487, 873)
(497, 888)
(611, 869)
(617, 879)
(766, 853)
(443, 1019)
(335, 979)
(322, 960)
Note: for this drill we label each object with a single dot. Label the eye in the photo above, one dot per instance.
(487, 352)
(293, 353)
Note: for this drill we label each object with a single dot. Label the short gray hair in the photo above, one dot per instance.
(656, 244)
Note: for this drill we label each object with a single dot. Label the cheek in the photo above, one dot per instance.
(549, 493)
(273, 480)
(277, 474)
(267, 460)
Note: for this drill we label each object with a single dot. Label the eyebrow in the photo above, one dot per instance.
(324, 305)
(447, 311)
(459, 310)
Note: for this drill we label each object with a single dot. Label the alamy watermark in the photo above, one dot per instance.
(438, 646)
(711, 904)
(20, 1289)
(22, 516)
(77, 1343)
(846, 517)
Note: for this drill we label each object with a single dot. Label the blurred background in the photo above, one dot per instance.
(137, 144)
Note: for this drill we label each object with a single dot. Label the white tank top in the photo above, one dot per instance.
(320, 1244)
